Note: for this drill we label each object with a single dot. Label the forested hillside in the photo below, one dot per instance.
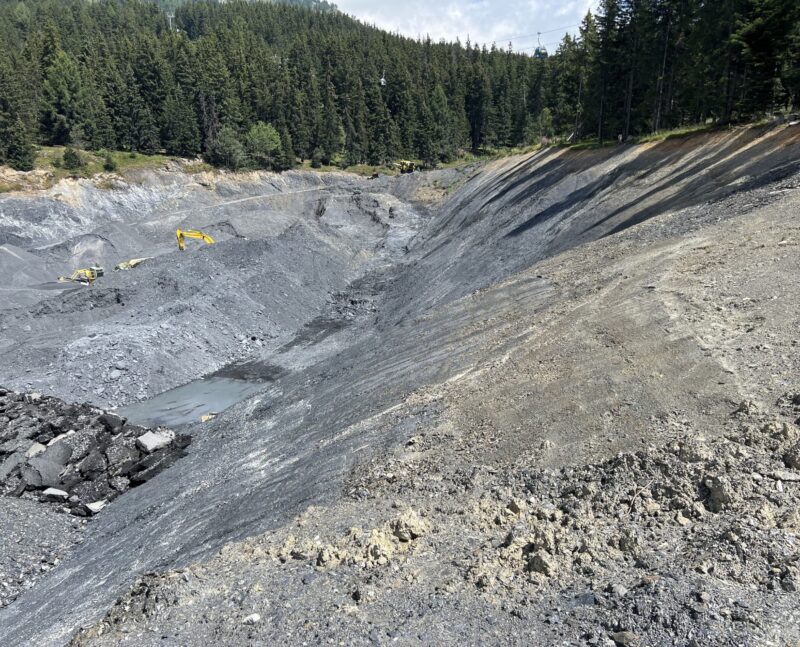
(263, 84)
(323, 5)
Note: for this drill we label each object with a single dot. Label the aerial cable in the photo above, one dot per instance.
(538, 33)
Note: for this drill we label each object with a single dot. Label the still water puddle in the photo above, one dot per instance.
(212, 394)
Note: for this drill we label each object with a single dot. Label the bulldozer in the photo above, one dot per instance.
(405, 166)
(183, 234)
(85, 275)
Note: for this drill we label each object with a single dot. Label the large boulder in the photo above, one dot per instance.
(40, 473)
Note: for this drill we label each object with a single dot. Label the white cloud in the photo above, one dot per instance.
(482, 21)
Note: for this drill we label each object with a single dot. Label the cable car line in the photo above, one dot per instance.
(538, 33)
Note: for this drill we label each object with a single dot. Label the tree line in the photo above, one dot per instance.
(263, 84)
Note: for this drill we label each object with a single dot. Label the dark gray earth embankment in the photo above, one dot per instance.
(516, 212)
(286, 247)
(555, 357)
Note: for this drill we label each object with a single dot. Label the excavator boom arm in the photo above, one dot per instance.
(183, 234)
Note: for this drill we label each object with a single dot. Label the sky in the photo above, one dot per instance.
(484, 21)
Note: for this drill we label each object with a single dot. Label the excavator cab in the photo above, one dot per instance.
(85, 275)
(183, 234)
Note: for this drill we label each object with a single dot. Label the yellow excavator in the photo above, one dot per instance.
(85, 275)
(129, 265)
(183, 234)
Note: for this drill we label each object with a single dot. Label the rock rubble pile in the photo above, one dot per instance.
(76, 456)
(690, 542)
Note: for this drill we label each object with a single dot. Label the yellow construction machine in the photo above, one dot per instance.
(405, 166)
(84, 275)
(129, 265)
(183, 234)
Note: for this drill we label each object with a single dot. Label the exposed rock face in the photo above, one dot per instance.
(76, 456)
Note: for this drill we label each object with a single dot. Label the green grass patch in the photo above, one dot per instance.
(366, 170)
(588, 145)
(675, 133)
(197, 167)
(487, 154)
(50, 158)
(465, 159)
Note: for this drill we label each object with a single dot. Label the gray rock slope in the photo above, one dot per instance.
(423, 295)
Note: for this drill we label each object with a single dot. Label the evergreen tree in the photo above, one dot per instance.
(332, 137)
(383, 134)
(443, 137)
(426, 136)
(72, 160)
(763, 39)
(790, 69)
(16, 146)
(65, 103)
(111, 75)
(607, 78)
(180, 132)
(109, 164)
(99, 129)
(478, 102)
(288, 160)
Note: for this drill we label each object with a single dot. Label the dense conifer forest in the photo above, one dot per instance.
(265, 84)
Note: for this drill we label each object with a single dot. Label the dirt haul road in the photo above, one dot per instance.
(562, 410)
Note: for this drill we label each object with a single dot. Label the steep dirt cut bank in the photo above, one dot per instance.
(517, 211)
(558, 405)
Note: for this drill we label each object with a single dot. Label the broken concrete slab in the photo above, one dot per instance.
(154, 440)
(54, 494)
(90, 464)
(60, 437)
(93, 464)
(112, 422)
(96, 506)
(35, 450)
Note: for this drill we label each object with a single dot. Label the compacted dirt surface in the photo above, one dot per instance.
(552, 399)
